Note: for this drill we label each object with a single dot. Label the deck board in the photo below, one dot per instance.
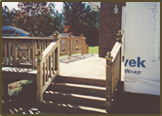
(86, 66)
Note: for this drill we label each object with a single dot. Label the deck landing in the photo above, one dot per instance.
(86, 66)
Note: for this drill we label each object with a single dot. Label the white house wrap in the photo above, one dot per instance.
(142, 48)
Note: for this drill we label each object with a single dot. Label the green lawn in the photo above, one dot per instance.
(93, 49)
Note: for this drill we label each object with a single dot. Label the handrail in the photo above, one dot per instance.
(113, 70)
(115, 50)
(47, 68)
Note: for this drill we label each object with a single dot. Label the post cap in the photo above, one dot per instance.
(16, 34)
(82, 35)
(56, 34)
(108, 54)
(41, 34)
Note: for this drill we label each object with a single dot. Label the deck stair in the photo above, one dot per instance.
(74, 95)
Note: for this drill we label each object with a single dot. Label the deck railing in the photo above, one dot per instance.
(41, 53)
(47, 68)
(72, 45)
(113, 70)
(20, 51)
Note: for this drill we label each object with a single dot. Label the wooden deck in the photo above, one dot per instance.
(86, 66)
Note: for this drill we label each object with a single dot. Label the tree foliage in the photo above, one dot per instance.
(38, 17)
(33, 8)
(7, 15)
(81, 19)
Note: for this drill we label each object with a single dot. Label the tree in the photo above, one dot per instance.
(38, 17)
(33, 8)
(81, 20)
(7, 15)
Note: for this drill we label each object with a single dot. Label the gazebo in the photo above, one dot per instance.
(10, 30)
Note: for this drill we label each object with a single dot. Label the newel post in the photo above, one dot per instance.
(108, 81)
(14, 50)
(70, 45)
(119, 36)
(56, 36)
(39, 76)
(83, 47)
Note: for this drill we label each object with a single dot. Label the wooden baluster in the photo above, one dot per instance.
(108, 81)
(35, 50)
(33, 54)
(53, 59)
(44, 73)
(58, 56)
(5, 43)
(29, 52)
(2, 50)
(39, 45)
(82, 43)
(70, 44)
(44, 45)
(31, 35)
(113, 76)
(117, 69)
(39, 77)
(47, 60)
(14, 52)
(119, 65)
(9, 52)
(48, 42)
(50, 66)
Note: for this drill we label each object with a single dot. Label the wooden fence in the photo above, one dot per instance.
(47, 68)
(113, 70)
(72, 45)
(20, 51)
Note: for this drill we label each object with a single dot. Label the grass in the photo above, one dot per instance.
(93, 49)
(16, 87)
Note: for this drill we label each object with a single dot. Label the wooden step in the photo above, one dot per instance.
(68, 108)
(74, 99)
(78, 89)
(77, 80)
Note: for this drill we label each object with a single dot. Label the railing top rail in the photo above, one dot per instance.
(39, 38)
(76, 37)
(48, 49)
(115, 50)
(28, 38)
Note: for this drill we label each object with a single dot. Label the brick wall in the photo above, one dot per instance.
(109, 24)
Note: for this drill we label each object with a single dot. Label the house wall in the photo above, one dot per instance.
(142, 48)
(109, 24)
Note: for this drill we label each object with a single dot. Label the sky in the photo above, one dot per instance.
(14, 5)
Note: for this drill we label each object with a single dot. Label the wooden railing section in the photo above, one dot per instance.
(47, 68)
(113, 70)
(72, 45)
(20, 51)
